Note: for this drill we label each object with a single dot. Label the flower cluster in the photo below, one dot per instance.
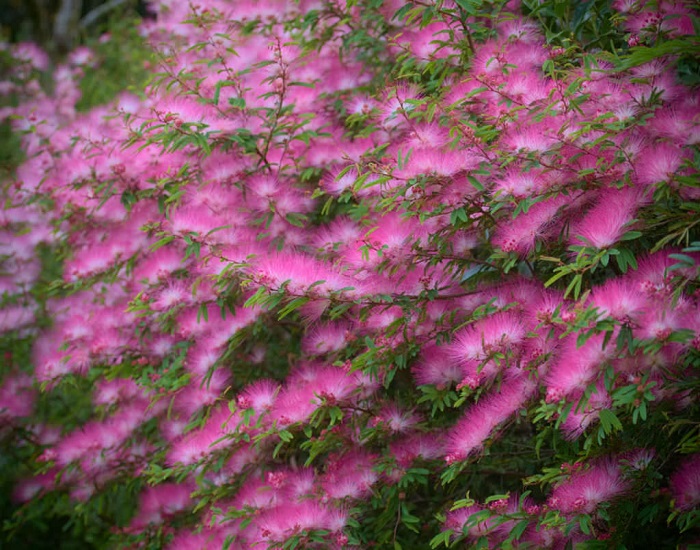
(337, 263)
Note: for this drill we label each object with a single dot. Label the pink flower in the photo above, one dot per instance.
(159, 264)
(498, 333)
(299, 272)
(481, 420)
(326, 338)
(395, 419)
(536, 138)
(16, 397)
(407, 449)
(519, 235)
(583, 491)
(437, 366)
(685, 483)
(283, 521)
(458, 520)
(208, 539)
(578, 420)
(576, 367)
(608, 220)
(259, 395)
(658, 163)
(620, 300)
(349, 475)
(159, 502)
(520, 184)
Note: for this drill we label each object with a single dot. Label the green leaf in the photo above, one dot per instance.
(609, 421)
(292, 306)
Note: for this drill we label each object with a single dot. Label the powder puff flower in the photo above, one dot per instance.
(335, 183)
(658, 163)
(259, 396)
(349, 475)
(259, 493)
(578, 420)
(425, 446)
(608, 220)
(109, 392)
(653, 276)
(295, 404)
(685, 484)
(426, 136)
(426, 43)
(583, 491)
(178, 110)
(457, 521)
(201, 392)
(498, 333)
(299, 272)
(361, 105)
(16, 397)
(390, 238)
(434, 161)
(638, 459)
(326, 338)
(337, 235)
(192, 322)
(395, 419)
(661, 320)
(437, 367)
(394, 108)
(519, 235)
(158, 502)
(576, 367)
(26, 489)
(680, 125)
(15, 317)
(208, 539)
(30, 53)
(481, 420)
(173, 293)
(201, 358)
(195, 219)
(198, 445)
(527, 88)
(283, 521)
(620, 299)
(530, 139)
(520, 184)
(520, 30)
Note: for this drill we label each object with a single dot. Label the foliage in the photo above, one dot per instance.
(361, 274)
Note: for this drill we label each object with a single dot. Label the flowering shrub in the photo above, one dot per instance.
(363, 274)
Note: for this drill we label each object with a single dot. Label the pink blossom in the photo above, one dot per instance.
(350, 475)
(482, 419)
(584, 491)
(620, 300)
(658, 163)
(575, 367)
(608, 220)
(499, 333)
(438, 367)
(685, 483)
(159, 502)
(519, 235)
(407, 449)
(579, 419)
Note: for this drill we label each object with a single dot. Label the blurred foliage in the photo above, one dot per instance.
(122, 63)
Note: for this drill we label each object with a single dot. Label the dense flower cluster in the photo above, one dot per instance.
(332, 255)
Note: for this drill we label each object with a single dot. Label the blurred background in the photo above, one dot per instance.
(59, 25)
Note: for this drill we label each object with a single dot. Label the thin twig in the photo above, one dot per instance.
(94, 14)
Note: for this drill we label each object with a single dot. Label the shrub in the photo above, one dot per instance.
(361, 274)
